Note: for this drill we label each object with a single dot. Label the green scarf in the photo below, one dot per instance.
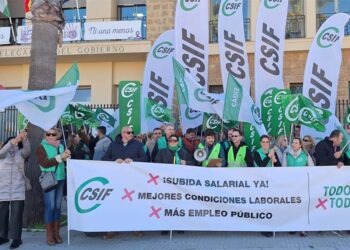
(177, 157)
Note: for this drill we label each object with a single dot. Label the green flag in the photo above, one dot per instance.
(251, 136)
(103, 116)
(298, 109)
(22, 122)
(212, 121)
(158, 111)
(346, 119)
(130, 105)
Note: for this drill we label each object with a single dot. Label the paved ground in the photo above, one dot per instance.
(191, 241)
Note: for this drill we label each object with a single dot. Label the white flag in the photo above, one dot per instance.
(269, 47)
(43, 108)
(322, 70)
(233, 53)
(158, 81)
(196, 96)
(192, 50)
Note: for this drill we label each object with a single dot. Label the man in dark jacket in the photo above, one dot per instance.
(126, 149)
(328, 152)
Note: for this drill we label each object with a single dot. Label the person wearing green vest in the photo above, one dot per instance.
(162, 142)
(214, 149)
(51, 157)
(296, 156)
(264, 156)
(238, 154)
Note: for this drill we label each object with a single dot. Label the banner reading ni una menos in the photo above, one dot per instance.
(129, 96)
(192, 50)
(106, 196)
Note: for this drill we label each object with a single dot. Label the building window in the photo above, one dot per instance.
(134, 12)
(83, 94)
(72, 15)
(296, 19)
(326, 8)
(296, 88)
(213, 23)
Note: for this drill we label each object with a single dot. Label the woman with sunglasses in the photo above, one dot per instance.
(309, 146)
(51, 157)
(174, 153)
(12, 188)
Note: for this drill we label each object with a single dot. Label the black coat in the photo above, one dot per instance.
(133, 150)
(167, 156)
(324, 153)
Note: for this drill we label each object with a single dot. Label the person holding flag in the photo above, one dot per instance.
(214, 149)
(238, 154)
(264, 156)
(328, 152)
(51, 157)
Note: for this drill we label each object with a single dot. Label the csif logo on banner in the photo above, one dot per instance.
(230, 7)
(256, 114)
(304, 115)
(129, 89)
(89, 195)
(163, 50)
(192, 114)
(328, 37)
(271, 4)
(157, 112)
(44, 103)
(188, 5)
(201, 96)
(212, 122)
(103, 117)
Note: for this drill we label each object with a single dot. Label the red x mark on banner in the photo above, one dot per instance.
(153, 179)
(128, 194)
(155, 212)
(322, 203)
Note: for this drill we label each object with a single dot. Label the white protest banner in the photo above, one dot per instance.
(113, 30)
(158, 82)
(322, 70)
(5, 34)
(269, 47)
(192, 50)
(106, 196)
(233, 53)
(71, 32)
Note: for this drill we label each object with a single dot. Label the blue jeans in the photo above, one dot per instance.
(53, 200)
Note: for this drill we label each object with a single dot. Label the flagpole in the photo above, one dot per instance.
(222, 129)
(291, 133)
(64, 138)
(77, 5)
(12, 30)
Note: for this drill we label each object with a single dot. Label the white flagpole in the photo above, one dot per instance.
(77, 4)
(12, 30)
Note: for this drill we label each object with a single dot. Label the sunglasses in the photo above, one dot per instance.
(158, 133)
(51, 134)
(129, 132)
(306, 140)
(173, 140)
(265, 142)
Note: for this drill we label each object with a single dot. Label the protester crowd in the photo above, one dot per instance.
(164, 145)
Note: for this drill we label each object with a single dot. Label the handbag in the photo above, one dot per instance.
(48, 180)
